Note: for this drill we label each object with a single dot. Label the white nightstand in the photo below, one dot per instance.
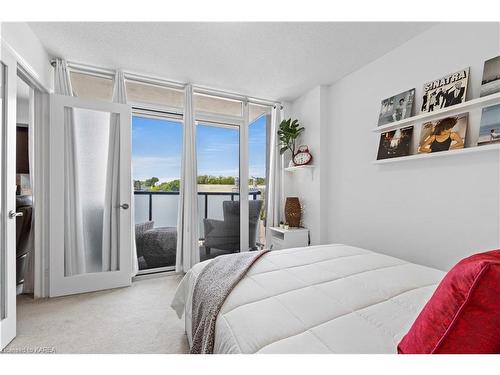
(288, 238)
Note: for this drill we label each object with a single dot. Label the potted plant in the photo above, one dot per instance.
(288, 132)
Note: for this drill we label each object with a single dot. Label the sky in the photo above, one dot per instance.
(157, 147)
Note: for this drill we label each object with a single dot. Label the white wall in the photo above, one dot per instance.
(28, 50)
(310, 112)
(430, 211)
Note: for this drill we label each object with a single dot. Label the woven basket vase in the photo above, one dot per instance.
(293, 211)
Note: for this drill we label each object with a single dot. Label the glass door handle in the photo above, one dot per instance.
(13, 214)
(125, 206)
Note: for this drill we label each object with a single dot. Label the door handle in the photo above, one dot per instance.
(13, 214)
(125, 206)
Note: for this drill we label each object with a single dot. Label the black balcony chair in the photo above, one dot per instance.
(225, 234)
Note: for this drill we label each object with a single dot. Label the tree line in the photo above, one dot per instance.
(153, 183)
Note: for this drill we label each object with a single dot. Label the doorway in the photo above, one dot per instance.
(25, 226)
(218, 156)
(17, 263)
(156, 165)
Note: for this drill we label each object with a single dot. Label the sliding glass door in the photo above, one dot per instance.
(156, 168)
(232, 149)
(258, 175)
(218, 158)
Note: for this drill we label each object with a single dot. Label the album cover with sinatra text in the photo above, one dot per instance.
(446, 91)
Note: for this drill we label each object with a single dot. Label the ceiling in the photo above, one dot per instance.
(270, 60)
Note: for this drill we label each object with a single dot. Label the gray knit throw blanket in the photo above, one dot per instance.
(214, 284)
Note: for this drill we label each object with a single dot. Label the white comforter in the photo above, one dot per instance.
(318, 299)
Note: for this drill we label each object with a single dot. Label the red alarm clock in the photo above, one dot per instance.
(302, 156)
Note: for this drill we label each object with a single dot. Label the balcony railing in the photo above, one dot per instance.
(162, 206)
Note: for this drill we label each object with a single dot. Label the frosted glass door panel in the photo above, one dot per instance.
(87, 162)
(165, 209)
(201, 214)
(215, 206)
(141, 208)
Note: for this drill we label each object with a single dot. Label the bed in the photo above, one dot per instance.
(319, 299)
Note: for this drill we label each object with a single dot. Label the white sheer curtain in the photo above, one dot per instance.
(188, 252)
(111, 215)
(74, 249)
(274, 168)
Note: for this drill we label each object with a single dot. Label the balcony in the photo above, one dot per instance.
(161, 207)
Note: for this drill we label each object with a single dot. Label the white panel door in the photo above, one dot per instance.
(90, 230)
(8, 90)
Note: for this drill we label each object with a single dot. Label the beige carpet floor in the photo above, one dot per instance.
(137, 319)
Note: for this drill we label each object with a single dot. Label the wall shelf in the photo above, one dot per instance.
(309, 168)
(471, 104)
(298, 168)
(468, 150)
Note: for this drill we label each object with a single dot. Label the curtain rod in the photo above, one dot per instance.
(231, 95)
(104, 72)
(153, 80)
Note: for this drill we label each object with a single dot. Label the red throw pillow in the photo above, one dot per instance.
(463, 315)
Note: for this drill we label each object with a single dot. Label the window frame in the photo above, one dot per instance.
(94, 75)
(153, 106)
(154, 113)
(199, 117)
